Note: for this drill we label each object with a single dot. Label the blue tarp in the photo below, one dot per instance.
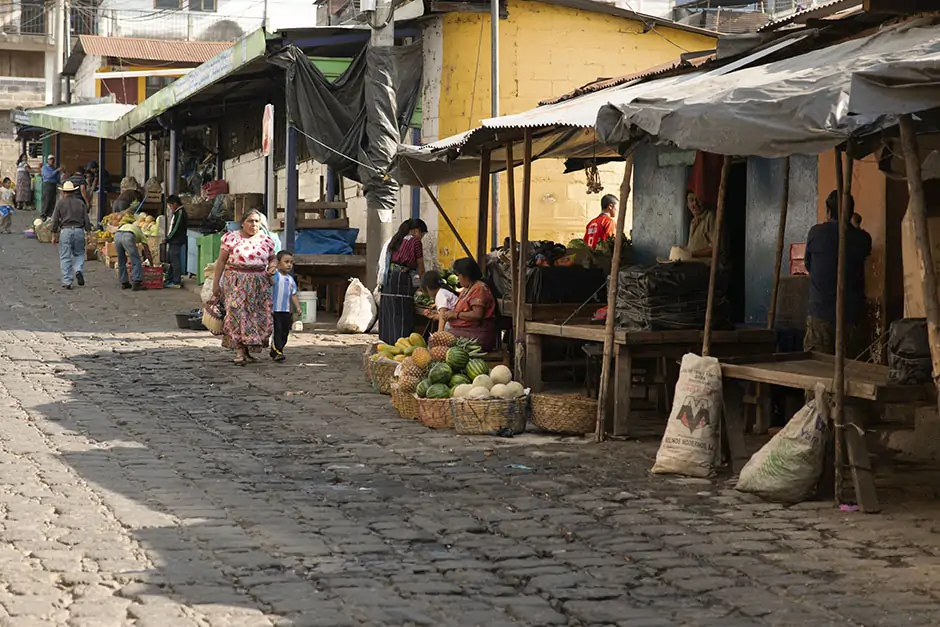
(326, 241)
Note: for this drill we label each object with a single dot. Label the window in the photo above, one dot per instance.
(166, 4)
(203, 5)
(156, 83)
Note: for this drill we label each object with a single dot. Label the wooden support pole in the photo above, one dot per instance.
(440, 209)
(917, 207)
(781, 237)
(603, 392)
(483, 214)
(838, 379)
(511, 187)
(519, 281)
(716, 255)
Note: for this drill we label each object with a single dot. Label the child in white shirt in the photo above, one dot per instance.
(444, 297)
(7, 198)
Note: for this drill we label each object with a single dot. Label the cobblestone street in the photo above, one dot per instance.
(146, 481)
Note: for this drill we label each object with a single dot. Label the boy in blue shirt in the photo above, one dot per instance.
(7, 198)
(284, 303)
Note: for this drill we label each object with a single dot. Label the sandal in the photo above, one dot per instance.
(240, 361)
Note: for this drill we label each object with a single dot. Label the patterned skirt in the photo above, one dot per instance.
(396, 307)
(248, 320)
(23, 191)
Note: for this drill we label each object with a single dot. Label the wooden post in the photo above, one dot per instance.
(917, 207)
(511, 186)
(519, 281)
(603, 391)
(838, 379)
(781, 237)
(440, 209)
(716, 253)
(483, 214)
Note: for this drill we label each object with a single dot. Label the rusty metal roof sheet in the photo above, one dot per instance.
(152, 49)
(604, 83)
(819, 11)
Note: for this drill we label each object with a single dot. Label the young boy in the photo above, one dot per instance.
(285, 303)
(7, 198)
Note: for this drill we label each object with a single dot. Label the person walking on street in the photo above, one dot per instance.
(69, 224)
(125, 243)
(7, 198)
(24, 190)
(51, 178)
(284, 303)
(177, 224)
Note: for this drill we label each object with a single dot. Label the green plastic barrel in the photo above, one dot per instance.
(209, 247)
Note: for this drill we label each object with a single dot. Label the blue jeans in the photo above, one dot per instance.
(71, 252)
(126, 245)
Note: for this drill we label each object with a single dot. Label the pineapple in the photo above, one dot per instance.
(439, 353)
(411, 369)
(408, 384)
(443, 338)
(422, 357)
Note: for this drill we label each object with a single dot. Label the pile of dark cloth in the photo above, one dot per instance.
(909, 352)
(669, 296)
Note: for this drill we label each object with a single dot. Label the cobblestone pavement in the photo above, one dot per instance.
(145, 481)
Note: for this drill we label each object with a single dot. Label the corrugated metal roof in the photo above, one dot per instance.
(605, 83)
(819, 11)
(152, 49)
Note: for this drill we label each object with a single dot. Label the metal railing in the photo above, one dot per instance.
(25, 17)
(176, 24)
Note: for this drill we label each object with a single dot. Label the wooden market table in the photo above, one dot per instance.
(866, 388)
(333, 273)
(632, 345)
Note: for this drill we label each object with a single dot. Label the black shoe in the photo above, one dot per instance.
(280, 357)
(66, 287)
(80, 278)
(125, 286)
(139, 288)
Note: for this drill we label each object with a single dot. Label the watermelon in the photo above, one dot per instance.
(422, 388)
(459, 379)
(476, 367)
(438, 390)
(457, 358)
(440, 373)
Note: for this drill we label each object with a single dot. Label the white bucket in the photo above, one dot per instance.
(308, 307)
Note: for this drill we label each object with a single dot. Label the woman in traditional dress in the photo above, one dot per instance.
(247, 262)
(24, 179)
(474, 314)
(404, 267)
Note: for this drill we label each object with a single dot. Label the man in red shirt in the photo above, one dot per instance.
(602, 227)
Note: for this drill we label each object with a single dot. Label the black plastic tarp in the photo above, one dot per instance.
(364, 114)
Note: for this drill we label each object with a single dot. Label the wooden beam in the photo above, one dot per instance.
(519, 281)
(483, 214)
(440, 209)
(511, 186)
(781, 237)
(838, 379)
(918, 209)
(716, 255)
(606, 365)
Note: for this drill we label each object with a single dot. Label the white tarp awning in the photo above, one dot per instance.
(798, 105)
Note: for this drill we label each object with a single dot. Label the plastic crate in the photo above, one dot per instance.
(209, 247)
(153, 278)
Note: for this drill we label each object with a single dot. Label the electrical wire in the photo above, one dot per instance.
(333, 150)
(652, 27)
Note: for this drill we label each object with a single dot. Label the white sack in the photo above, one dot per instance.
(690, 444)
(359, 310)
(787, 468)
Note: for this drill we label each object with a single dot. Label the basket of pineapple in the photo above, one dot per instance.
(388, 358)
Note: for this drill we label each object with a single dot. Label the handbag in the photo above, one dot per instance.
(213, 316)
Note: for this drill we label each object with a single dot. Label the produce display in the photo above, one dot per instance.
(404, 347)
(144, 222)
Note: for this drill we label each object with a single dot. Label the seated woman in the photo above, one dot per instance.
(442, 295)
(474, 314)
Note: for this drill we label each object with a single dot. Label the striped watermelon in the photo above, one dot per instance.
(476, 367)
(438, 390)
(423, 386)
(457, 358)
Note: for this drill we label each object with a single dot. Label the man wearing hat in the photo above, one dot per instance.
(70, 222)
(51, 178)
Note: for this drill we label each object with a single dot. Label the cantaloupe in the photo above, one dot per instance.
(478, 393)
(501, 374)
(462, 390)
(499, 390)
(514, 389)
(483, 380)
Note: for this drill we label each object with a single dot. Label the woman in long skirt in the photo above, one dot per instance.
(24, 194)
(403, 269)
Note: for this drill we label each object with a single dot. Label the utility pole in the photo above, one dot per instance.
(58, 25)
(379, 226)
(494, 111)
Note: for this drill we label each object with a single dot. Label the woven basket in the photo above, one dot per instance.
(405, 403)
(490, 417)
(571, 414)
(383, 374)
(435, 413)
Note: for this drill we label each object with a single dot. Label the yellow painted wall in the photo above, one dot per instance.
(545, 51)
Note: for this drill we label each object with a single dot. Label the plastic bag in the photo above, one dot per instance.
(787, 468)
(690, 444)
(359, 310)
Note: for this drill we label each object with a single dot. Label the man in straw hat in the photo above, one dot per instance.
(69, 224)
